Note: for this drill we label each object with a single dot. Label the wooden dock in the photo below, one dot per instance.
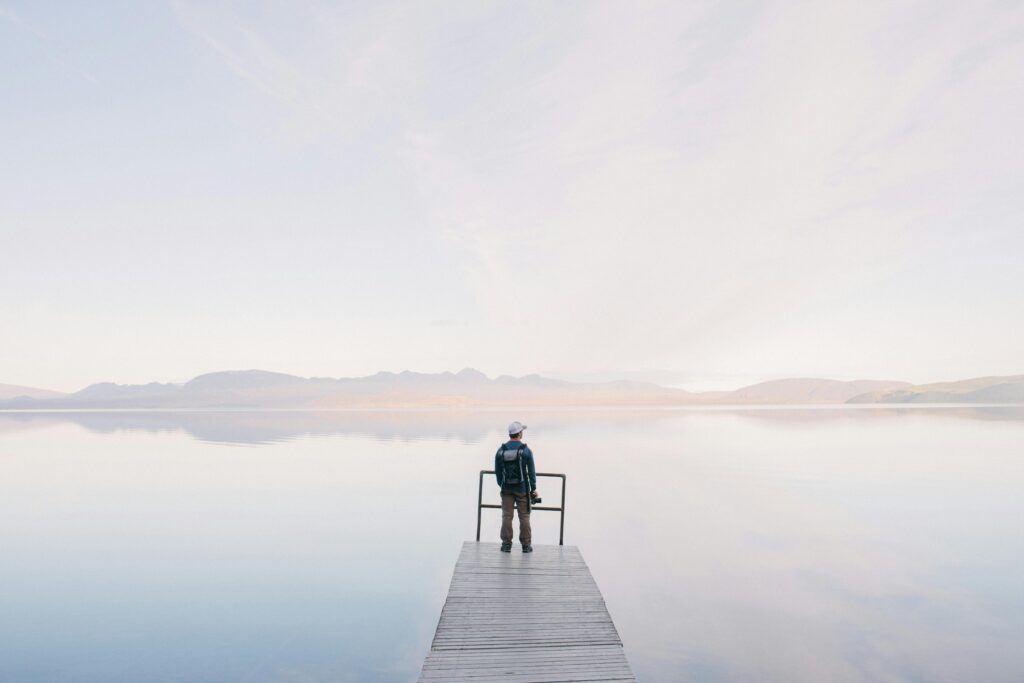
(524, 618)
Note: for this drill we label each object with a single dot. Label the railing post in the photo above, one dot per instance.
(561, 521)
(479, 502)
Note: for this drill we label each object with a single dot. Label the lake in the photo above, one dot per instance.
(760, 544)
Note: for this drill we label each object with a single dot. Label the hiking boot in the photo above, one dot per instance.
(527, 548)
(506, 547)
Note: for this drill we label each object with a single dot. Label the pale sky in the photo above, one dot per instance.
(702, 190)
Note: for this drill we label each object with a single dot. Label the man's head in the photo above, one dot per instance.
(515, 430)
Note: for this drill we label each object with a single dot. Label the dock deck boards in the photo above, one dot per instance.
(524, 618)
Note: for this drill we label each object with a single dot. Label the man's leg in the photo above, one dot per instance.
(523, 507)
(507, 501)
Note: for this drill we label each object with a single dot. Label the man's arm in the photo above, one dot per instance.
(533, 471)
(498, 469)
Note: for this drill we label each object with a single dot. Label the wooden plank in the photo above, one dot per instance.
(524, 618)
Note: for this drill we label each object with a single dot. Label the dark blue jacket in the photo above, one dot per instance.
(527, 457)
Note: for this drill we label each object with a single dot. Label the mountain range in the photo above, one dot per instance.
(470, 388)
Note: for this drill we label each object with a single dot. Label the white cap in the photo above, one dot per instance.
(516, 427)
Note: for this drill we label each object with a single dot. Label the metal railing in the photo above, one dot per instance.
(480, 504)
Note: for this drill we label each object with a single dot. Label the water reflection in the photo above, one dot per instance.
(467, 427)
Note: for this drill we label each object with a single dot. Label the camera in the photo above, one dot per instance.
(535, 500)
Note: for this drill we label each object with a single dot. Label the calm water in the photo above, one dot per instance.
(750, 545)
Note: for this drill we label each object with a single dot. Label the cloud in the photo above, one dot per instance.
(651, 193)
(666, 186)
(721, 188)
(332, 69)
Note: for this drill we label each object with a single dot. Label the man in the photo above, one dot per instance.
(513, 466)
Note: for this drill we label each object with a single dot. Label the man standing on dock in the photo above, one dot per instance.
(517, 477)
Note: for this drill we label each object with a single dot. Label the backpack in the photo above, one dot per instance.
(512, 464)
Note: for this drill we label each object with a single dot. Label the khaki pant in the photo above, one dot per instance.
(519, 500)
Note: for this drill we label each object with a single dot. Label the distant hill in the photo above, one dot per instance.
(808, 390)
(108, 392)
(1008, 389)
(470, 388)
(14, 392)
